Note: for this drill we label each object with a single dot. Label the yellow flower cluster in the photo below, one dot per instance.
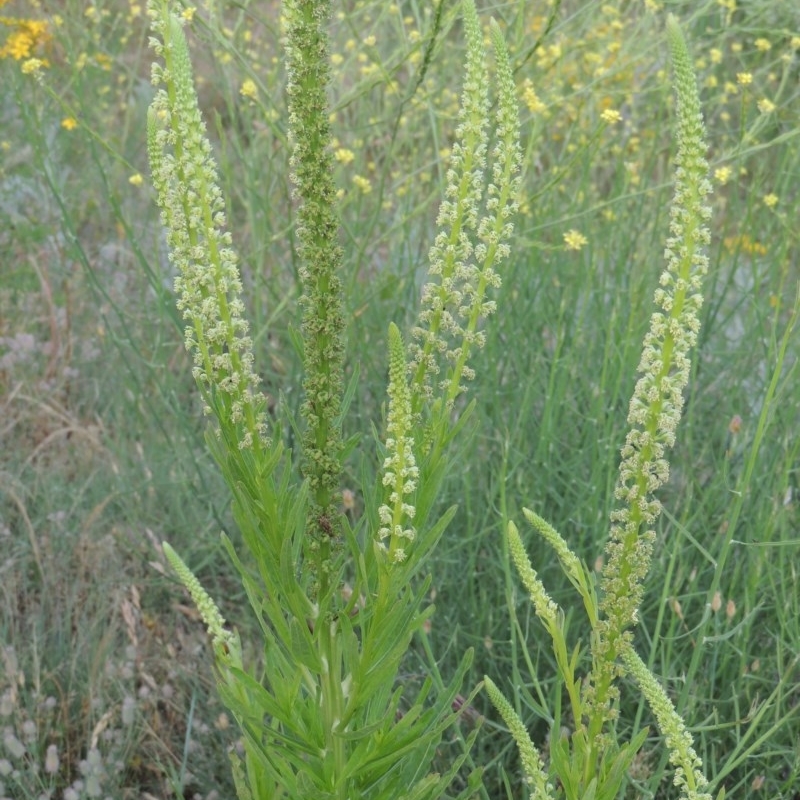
(575, 240)
(27, 35)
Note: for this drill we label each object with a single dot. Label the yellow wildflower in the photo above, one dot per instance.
(249, 89)
(763, 44)
(611, 115)
(69, 123)
(33, 66)
(362, 183)
(18, 46)
(344, 156)
(575, 240)
(766, 106)
(136, 180)
(715, 54)
(770, 200)
(532, 100)
(744, 78)
(722, 175)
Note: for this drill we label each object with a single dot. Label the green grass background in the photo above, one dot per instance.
(104, 660)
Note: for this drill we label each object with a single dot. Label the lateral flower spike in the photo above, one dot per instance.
(545, 608)
(447, 298)
(400, 468)
(535, 776)
(226, 644)
(570, 563)
(688, 766)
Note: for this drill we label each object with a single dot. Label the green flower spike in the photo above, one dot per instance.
(546, 609)
(455, 301)
(532, 765)
(226, 644)
(687, 763)
(457, 220)
(311, 164)
(657, 401)
(400, 468)
(193, 213)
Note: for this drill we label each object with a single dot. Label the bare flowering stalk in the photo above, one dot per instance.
(591, 761)
(193, 214)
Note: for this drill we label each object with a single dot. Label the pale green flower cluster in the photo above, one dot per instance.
(400, 469)
(453, 304)
(688, 773)
(226, 644)
(193, 213)
(545, 608)
(657, 402)
(532, 765)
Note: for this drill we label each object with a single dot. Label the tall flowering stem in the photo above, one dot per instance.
(468, 247)
(308, 75)
(655, 408)
(592, 762)
(193, 214)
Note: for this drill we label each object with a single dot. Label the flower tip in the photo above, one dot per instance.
(173, 558)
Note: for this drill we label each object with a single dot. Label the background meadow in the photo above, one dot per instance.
(105, 681)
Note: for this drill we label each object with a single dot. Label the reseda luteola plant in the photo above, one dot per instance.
(318, 702)
(591, 763)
